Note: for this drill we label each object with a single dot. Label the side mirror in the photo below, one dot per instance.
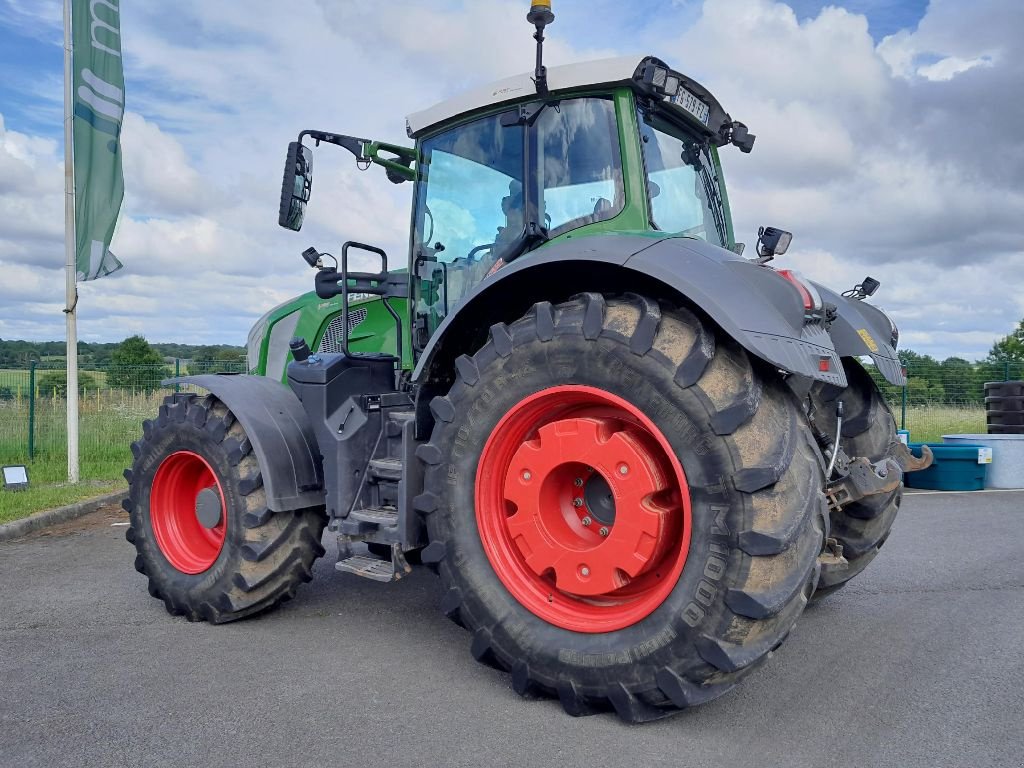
(296, 186)
(772, 242)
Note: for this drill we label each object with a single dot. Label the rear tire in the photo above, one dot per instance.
(253, 558)
(752, 481)
(869, 428)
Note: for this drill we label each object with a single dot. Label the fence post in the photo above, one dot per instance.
(1006, 370)
(32, 410)
(903, 408)
(177, 373)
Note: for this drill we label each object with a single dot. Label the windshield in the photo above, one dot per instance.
(480, 190)
(682, 182)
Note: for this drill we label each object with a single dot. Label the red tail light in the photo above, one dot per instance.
(808, 293)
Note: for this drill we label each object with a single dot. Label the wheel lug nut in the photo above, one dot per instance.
(604, 530)
(578, 482)
(586, 521)
(527, 476)
(623, 469)
(577, 502)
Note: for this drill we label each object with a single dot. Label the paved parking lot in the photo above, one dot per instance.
(920, 662)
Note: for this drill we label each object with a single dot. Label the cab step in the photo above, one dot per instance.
(388, 469)
(375, 568)
(383, 517)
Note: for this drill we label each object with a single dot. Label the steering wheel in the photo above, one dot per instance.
(485, 246)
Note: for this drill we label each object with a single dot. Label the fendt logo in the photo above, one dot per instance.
(99, 103)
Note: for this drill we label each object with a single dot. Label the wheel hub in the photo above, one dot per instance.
(187, 512)
(583, 508)
(551, 535)
(208, 508)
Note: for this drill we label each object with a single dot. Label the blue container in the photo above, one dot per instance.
(955, 468)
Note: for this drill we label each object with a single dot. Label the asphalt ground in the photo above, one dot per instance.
(919, 662)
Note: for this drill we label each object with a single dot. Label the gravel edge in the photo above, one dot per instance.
(18, 528)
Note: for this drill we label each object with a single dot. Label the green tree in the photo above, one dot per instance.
(217, 360)
(136, 365)
(1009, 348)
(55, 384)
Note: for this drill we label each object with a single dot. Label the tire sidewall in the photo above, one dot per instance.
(695, 605)
(162, 442)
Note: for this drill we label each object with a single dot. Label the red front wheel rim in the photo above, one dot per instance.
(175, 498)
(583, 509)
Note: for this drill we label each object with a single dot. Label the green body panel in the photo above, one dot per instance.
(377, 332)
(374, 334)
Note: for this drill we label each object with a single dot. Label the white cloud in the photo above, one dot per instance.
(899, 159)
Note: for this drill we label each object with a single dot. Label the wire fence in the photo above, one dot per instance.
(940, 398)
(113, 402)
(944, 398)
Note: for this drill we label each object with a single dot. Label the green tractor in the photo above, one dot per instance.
(632, 455)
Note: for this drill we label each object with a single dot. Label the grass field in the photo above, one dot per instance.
(109, 421)
(928, 423)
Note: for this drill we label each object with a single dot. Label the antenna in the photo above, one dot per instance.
(540, 16)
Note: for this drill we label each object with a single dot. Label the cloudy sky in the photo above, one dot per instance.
(890, 141)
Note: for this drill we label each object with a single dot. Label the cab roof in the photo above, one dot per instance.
(619, 71)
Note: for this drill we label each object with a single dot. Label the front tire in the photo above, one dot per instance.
(723, 530)
(202, 531)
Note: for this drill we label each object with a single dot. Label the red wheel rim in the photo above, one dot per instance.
(583, 509)
(188, 545)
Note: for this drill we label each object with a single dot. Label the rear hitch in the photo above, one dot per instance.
(901, 454)
(862, 478)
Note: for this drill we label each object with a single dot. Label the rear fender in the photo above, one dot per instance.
(760, 310)
(281, 435)
(860, 330)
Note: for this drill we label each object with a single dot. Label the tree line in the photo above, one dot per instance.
(19, 354)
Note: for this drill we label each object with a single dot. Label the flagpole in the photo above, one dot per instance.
(71, 298)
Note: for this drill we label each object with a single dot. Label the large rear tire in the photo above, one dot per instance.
(869, 428)
(203, 533)
(700, 468)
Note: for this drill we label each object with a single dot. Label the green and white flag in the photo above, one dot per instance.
(98, 99)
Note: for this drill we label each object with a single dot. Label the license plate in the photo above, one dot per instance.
(689, 101)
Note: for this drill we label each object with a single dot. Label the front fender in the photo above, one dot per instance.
(281, 435)
(752, 304)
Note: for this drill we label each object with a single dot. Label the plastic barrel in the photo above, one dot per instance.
(1007, 468)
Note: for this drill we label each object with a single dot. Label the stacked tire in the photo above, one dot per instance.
(1004, 407)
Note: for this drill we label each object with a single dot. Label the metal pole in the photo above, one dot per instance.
(71, 298)
(903, 409)
(177, 373)
(32, 410)
(1006, 370)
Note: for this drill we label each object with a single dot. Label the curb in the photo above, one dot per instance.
(25, 526)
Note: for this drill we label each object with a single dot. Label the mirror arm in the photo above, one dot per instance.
(399, 167)
(353, 144)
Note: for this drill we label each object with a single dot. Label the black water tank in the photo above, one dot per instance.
(1004, 407)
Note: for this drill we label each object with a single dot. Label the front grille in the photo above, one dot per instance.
(333, 336)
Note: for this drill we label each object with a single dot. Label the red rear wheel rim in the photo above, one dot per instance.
(187, 544)
(583, 509)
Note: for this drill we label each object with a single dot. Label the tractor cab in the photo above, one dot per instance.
(620, 146)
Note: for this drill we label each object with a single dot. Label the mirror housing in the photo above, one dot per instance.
(296, 186)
